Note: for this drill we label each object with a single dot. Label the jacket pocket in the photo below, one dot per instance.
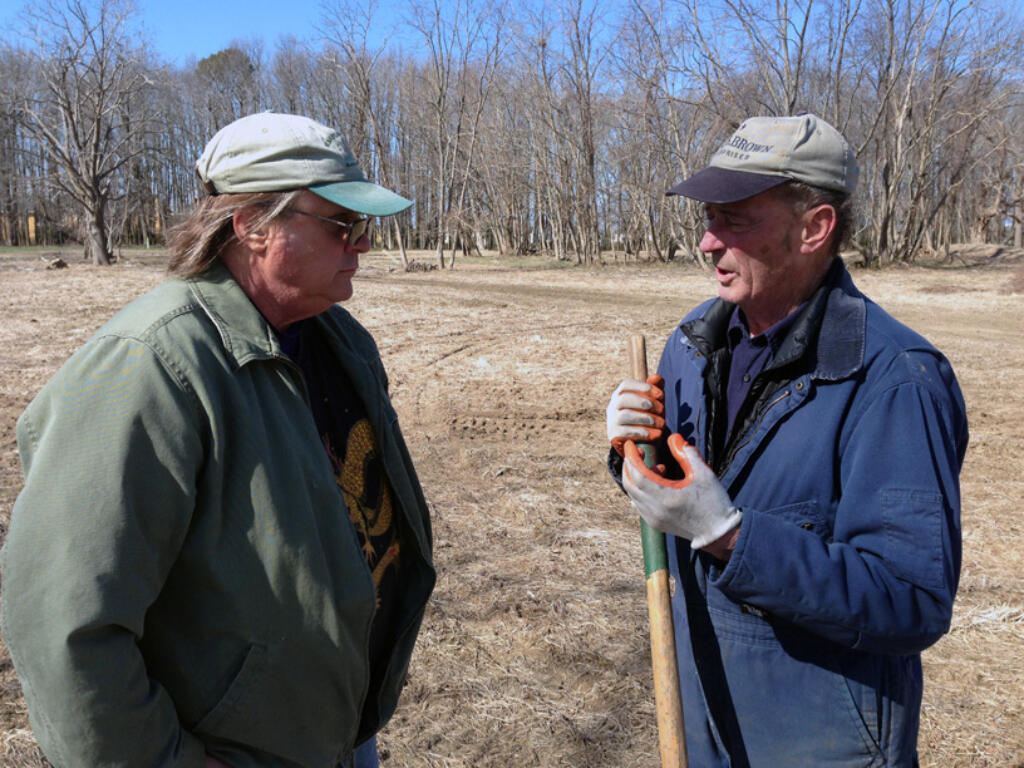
(288, 705)
(795, 701)
(886, 695)
(790, 695)
(237, 693)
(913, 535)
(807, 515)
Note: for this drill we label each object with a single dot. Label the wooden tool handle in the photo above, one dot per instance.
(638, 357)
(667, 702)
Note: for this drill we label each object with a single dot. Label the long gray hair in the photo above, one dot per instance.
(197, 242)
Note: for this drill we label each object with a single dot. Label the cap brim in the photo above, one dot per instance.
(722, 185)
(362, 197)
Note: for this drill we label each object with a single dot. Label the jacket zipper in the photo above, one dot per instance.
(749, 434)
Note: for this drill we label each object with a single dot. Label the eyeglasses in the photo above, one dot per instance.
(354, 229)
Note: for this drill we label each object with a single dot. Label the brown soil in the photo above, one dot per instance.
(534, 651)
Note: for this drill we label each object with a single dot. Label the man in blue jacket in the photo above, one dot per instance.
(812, 492)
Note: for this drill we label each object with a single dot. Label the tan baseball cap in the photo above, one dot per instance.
(765, 152)
(271, 152)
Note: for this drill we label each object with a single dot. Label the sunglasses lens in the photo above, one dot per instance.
(359, 228)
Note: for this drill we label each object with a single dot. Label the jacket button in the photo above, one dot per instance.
(807, 526)
(799, 385)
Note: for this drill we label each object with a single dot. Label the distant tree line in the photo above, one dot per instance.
(523, 128)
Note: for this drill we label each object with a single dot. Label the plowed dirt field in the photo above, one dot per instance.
(535, 651)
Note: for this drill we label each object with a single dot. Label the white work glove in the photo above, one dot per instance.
(636, 412)
(696, 508)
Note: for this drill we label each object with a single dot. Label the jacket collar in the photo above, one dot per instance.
(840, 343)
(246, 335)
(830, 328)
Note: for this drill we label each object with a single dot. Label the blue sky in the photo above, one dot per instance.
(182, 28)
(179, 29)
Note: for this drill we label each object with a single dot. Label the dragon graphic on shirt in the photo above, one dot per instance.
(367, 495)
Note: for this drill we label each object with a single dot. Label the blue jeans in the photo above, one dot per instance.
(365, 756)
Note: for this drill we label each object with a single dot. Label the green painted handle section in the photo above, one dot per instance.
(655, 556)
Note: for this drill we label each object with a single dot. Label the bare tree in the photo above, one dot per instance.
(90, 72)
(228, 84)
(348, 24)
(561, 145)
(937, 77)
(671, 126)
(528, 127)
(16, 193)
(462, 56)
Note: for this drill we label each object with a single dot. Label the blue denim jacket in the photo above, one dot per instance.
(804, 649)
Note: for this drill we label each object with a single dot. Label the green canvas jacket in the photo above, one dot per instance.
(181, 574)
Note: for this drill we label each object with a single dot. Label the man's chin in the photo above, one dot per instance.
(343, 290)
(729, 293)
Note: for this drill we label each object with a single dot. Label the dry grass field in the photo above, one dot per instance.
(534, 650)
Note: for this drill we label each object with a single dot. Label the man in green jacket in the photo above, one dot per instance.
(222, 554)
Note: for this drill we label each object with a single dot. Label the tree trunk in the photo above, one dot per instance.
(96, 242)
(654, 237)
(401, 244)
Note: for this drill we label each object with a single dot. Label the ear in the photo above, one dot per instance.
(242, 221)
(819, 224)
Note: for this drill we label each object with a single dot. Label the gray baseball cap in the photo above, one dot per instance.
(765, 152)
(270, 152)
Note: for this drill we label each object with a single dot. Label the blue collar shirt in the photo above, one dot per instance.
(749, 355)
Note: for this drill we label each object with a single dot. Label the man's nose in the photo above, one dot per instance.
(710, 242)
(362, 245)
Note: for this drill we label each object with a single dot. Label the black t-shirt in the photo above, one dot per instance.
(352, 448)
